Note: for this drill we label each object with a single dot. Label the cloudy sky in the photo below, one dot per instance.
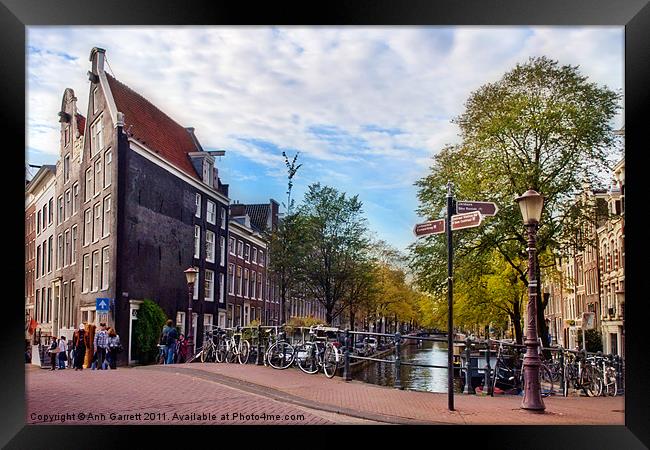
(366, 107)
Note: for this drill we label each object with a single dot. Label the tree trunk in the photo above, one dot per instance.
(542, 329)
(516, 321)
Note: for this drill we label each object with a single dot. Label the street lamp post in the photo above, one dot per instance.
(190, 275)
(531, 204)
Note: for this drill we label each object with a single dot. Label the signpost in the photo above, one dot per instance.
(459, 215)
(102, 306)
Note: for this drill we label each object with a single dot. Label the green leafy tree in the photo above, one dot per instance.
(542, 126)
(147, 329)
(334, 235)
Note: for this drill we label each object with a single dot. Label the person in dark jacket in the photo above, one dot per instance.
(79, 342)
(114, 346)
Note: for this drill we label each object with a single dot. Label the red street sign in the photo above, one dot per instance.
(431, 227)
(486, 208)
(466, 220)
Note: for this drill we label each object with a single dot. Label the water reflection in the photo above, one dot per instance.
(416, 378)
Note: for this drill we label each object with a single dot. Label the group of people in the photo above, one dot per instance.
(104, 347)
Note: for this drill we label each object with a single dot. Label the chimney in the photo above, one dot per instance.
(97, 56)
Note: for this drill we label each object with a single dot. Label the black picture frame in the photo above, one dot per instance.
(634, 15)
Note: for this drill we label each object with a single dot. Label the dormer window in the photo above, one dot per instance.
(66, 134)
(207, 172)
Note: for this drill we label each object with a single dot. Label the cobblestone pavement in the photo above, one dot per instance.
(137, 396)
(391, 405)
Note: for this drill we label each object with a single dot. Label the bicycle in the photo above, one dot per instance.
(315, 354)
(509, 373)
(608, 374)
(233, 349)
(209, 349)
(280, 355)
(581, 372)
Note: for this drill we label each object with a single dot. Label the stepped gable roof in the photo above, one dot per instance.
(81, 123)
(153, 128)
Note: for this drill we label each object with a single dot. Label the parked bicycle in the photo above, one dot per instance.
(208, 352)
(582, 373)
(508, 372)
(608, 374)
(233, 347)
(280, 354)
(317, 353)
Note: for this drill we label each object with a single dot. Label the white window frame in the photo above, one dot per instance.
(97, 136)
(88, 193)
(95, 269)
(59, 251)
(207, 321)
(254, 255)
(222, 249)
(180, 321)
(197, 203)
(106, 216)
(75, 198)
(246, 277)
(59, 210)
(106, 261)
(223, 218)
(231, 276)
(260, 256)
(195, 294)
(95, 97)
(240, 246)
(221, 287)
(67, 250)
(254, 284)
(66, 166)
(210, 247)
(67, 204)
(74, 236)
(108, 167)
(98, 180)
(209, 286)
(97, 221)
(85, 274)
(247, 254)
(232, 249)
(88, 227)
(197, 241)
(211, 212)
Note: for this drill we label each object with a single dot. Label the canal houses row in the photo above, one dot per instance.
(132, 202)
(592, 280)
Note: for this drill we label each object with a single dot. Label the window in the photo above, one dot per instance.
(238, 282)
(209, 246)
(254, 258)
(38, 222)
(231, 246)
(197, 213)
(38, 261)
(209, 286)
(207, 322)
(195, 296)
(75, 198)
(88, 226)
(237, 315)
(259, 285)
(97, 223)
(68, 203)
(180, 321)
(223, 218)
(89, 184)
(240, 249)
(85, 278)
(98, 176)
(67, 253)
(59, 208)
(95, 100)
(230, 315)
(105, 268)
(222, 249)
(59, 252)
(211, 212)
(261, 258)
(95, 271)
(106, 220)
(231, 279)
(247, 253)
(64, 308)
(66, 136)
(246, 278)
(207, 172)
(221, 287)
(50, 253)
(72, 295)
(74, 245)
(37, 307)
(50, 213)
(96, 136)
(108, 168)
(66, 160)
(197, 241)
(253, 283)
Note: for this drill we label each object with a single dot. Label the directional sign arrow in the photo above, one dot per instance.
(431, 227)
(466, 220)
(486, 208)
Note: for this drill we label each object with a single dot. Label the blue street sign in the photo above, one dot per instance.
(102, 304)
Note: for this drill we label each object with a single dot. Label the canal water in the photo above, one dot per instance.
(415, 378)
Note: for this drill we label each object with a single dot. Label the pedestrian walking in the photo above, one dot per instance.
(63, 352)
(114, 347)
(101, 346)
(53, 351)
(79, 345)
(166, 340)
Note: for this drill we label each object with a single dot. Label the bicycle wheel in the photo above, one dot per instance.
(330, 360)
(307, 359)
(280, 355)
(244, 351)
(592, 381)
(220, 351)
(207, 355)
(546, 381)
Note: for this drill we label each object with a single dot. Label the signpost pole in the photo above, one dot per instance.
(450, 301)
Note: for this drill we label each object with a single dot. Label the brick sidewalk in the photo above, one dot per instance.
(145, 397)
(391, 405)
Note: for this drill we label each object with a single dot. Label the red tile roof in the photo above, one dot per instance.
(153, 128)
(81, 123)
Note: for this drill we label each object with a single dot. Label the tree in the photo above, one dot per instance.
(542, 126)
(285, 245)
(151, 319)
(334, 236)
